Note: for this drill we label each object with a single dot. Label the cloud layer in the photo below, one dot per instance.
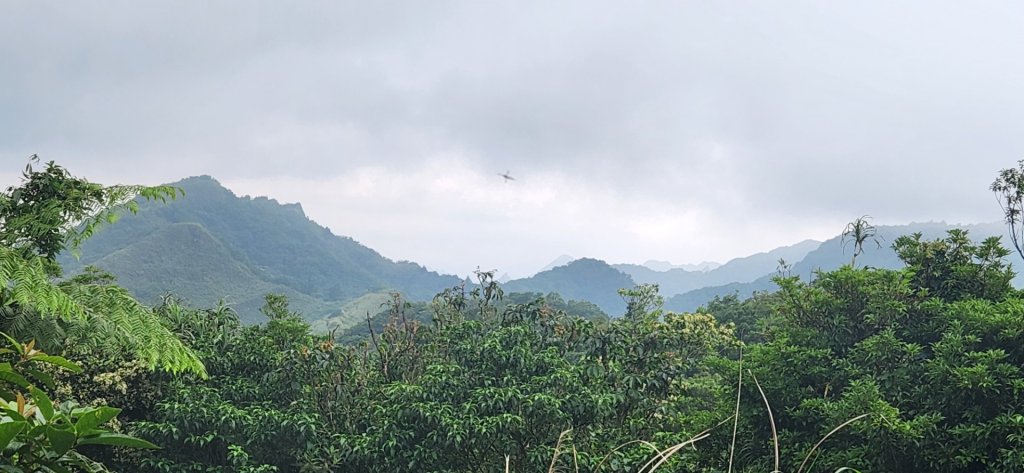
(680, 131)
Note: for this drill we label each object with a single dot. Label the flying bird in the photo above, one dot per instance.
(505, 175)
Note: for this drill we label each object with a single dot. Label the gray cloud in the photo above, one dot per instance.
(795, 115)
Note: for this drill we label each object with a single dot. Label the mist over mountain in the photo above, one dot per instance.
(561, 260)
(831, 254)
(657, 265)
(738, 270)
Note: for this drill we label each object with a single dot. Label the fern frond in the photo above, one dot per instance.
(25, 282)
(25, 324)
(26, 288)
(136, 326)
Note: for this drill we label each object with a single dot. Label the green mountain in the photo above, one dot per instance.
(584, 279)
(211, 244)
(832, 254)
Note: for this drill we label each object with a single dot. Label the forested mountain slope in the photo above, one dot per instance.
(583, 279)
(212, 244)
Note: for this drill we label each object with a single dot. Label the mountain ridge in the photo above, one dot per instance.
(268, 244)
(831, 255)
(238, 248)
(741, 269)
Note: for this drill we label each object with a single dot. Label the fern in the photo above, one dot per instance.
(53, 211)
(27, 293)
(136, 327)
(25, 283)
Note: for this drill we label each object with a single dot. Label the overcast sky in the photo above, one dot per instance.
(672, 130)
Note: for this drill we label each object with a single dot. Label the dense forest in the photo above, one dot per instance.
(855, 369)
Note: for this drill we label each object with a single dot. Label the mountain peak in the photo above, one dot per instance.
(586, 279)
(200, 180)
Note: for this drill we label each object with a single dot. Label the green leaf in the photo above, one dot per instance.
(95, 418)
(9, 410)
(83, 463)
(58, 361)
(58, 468)
(14, 343)
(44, 378)
(119, 440)
(14, 378)
(61, 440)
(8, 430)
(43, 402)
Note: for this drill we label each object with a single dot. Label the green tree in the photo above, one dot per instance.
(956, 268)
(929, 352)
(51, 212)
(38, 434)
(858, 232)
(255, 413)
(1009, 190)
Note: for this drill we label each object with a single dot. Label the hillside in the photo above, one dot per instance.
(583, 279)
(239, 248)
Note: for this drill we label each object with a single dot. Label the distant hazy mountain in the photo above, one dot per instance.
(656, 265)
(560, 261)
(211, 244)
(831, 255)
(583, 279)
(746, 269)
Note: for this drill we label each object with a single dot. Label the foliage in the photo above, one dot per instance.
(36, 433)
(483, 381)
(249, 416)
(926, 351)
(1009, 191)
(751, 317)
(955, 268)
(50, 212)
(858, 232)
(858, 369)
(53, 211)
(916, 369)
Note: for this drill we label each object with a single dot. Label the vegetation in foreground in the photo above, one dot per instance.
(921, 366)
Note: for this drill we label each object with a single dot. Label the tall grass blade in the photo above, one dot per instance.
(663, 456)
(815, 447)
(771, 418)
(620, 447)
(736, 414)
(558, 447)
